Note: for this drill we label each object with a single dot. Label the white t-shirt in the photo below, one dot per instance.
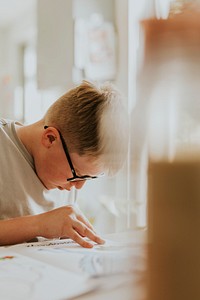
(21, 191)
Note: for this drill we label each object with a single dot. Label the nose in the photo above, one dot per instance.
(78, 184)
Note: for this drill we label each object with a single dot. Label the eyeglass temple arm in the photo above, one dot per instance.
(66, 152)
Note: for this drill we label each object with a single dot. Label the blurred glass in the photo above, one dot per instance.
(169, 131)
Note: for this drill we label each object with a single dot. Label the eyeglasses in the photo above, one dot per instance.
(75, 176)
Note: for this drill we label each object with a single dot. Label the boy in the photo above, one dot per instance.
(82, 135)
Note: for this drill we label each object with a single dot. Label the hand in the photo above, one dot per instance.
(67, 221)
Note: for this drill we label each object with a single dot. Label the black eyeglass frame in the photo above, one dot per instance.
(75, 176)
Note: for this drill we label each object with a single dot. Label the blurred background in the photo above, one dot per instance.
(47, 47)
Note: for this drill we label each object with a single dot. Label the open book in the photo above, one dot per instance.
(61, 269)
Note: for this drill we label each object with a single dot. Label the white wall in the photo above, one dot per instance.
(55, 43)
(22, 31)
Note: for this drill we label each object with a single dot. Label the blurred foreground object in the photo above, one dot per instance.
(170, 90)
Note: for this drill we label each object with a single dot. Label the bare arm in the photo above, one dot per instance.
(65, 221)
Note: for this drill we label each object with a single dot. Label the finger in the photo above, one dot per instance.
(82, 218)
(85, 221)
(74, 235)
(87, 232)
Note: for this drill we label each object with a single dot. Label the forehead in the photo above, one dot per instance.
(86, 165)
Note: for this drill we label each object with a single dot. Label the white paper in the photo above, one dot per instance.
(25, 278)
(110, 258)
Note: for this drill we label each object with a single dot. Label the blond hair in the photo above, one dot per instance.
(94, 122)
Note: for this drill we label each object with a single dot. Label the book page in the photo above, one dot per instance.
(111, 258)
(23, 278)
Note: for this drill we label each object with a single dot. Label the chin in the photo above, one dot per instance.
(48, 186)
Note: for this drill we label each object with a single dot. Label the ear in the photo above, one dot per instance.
(49, 137)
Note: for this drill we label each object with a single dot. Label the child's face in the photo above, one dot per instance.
(54, 169)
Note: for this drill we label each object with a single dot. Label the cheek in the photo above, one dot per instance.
(50, 171)
(56, 174)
